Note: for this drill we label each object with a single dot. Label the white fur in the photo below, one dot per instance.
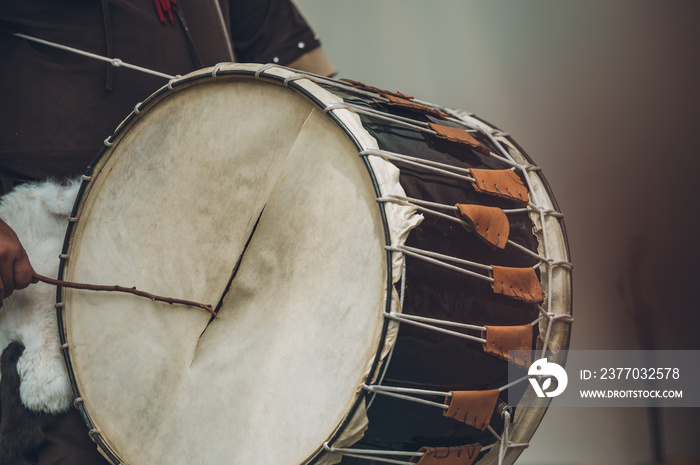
(38, 213)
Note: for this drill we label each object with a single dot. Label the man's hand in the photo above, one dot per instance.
(15, 270)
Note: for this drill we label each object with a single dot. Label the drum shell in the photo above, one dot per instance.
(420, 358)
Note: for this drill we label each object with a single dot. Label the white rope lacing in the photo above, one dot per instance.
(116, 62)
(440, 259)
(430, 323)
(264, 68)
(434, 166)
(328, 81)
(410, 394)
(551, 319)
(423, 206)
(380, 455)
(397, 120)
(503, 441)
(532, 208)
(371, 454)
(511, 445)
(401, 121)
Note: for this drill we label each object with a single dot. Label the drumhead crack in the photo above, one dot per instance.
(230, 281)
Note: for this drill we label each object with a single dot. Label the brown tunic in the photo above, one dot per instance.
(57, 107)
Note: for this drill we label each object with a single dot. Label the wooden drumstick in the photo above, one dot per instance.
(128, 290)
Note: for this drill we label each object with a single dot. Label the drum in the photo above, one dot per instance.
(373, 260)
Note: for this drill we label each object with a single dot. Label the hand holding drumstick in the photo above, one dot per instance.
(16, 272)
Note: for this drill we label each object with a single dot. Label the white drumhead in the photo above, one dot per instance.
(212, 172)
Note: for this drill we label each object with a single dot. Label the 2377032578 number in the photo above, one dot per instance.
(639, 373)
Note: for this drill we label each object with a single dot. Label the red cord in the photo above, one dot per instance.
(163, 7)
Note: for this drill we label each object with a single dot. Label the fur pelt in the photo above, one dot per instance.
(38, 213)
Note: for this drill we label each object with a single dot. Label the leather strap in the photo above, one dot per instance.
(399, 99)
(501, 183)
(460, 455)
(376, 90)
(458, 135)
(489, 223)
(472, 407)
(518, 283)
(501, 339)
(410, 105)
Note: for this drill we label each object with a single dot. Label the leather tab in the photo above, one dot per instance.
(376, 90)
(501, 183)
(410, 105)
(489, 223)
(460, 455)
(459, 135)
(472, 407)
(519, 283)
(501, 339)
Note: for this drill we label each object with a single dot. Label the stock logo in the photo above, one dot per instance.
(545, 371)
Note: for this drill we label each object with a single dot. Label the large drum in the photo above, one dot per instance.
(374, 260)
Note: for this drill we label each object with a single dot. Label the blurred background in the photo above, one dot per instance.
(604, 97)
